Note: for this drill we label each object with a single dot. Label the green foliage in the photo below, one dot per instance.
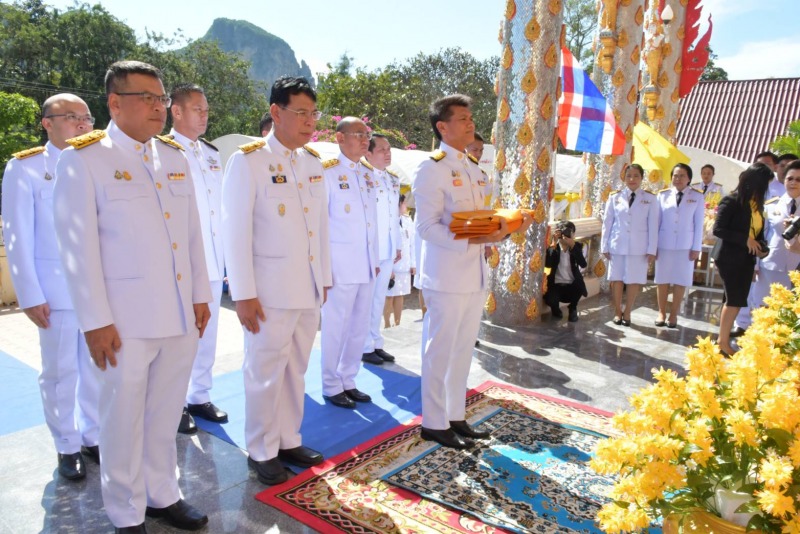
(580, 20)
(712, 72)
(18, 126)
(789, 142)
(397, 97)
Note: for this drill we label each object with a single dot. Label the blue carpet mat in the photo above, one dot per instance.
(19, 396)
(327, 428)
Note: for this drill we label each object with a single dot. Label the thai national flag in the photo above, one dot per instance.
(585, 120)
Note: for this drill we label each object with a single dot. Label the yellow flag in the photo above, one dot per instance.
(653, 152)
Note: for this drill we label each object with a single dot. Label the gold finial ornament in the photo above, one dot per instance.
(535, 265)
(491, 304)
(514, 282)
(532, 311)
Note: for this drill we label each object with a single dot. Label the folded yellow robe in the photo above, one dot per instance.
(479, 223)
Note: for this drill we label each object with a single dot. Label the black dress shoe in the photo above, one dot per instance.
(91, 451)
(137, 529)
(269, 472)
(341, 400)
(617, 321)
(301, 456)
(371, 357)
(556, 314)
(672, 325)
(462, 428)
(383, 355)
(626, 322)
(358, 396)
(573, 316)
(187, 424)
(660, 324)
(448, 438)
(738, 331)
(180, 515)
(209, 412)
(70, 466)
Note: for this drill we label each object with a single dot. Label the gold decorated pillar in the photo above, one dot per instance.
(664, 33)
(525, 141)
(618, 52)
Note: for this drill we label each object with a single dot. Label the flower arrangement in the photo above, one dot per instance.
(730, 427)
(712, 203)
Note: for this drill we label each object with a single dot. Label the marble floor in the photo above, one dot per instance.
(593, 362)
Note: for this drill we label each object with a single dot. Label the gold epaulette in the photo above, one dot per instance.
(28, 153)
(168, 140)
(614, 192)
(473, 159)
(251, 146)
(312, 151)
(772, 200)
(209, 144)
(367, 164)
(646, 191)
(698, 190)
(665, 190)
(82, 141)
(328, 163)
(438, 155)
(392, 173)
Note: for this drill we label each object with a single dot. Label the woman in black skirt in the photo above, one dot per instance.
(739, 226)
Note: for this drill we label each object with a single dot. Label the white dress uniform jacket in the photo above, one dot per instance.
(630, 230)
(780, 258)
(712, 188)
(453, 281)
(775, 189)
(681, 227)
(38, 278)
(130, 240)
(277, 249)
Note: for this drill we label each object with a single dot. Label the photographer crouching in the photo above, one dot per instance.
(564, 258)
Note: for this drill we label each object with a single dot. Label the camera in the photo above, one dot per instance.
(565, 228)
(792, 229)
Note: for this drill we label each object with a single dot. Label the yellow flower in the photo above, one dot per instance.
(741, 426)
(615, 519)
(700, 436)
(775, 502)
(779, 405)
(792, 526)
(794, 450)
(775, 471)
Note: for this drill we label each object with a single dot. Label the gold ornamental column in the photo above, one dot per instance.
(616, 73)
(525, 140)
(663, 50)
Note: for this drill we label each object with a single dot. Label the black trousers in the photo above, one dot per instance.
(557, 293)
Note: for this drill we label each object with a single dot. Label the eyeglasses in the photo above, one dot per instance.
(150, 99)
(305, 114)
(361, 136)
(71, 117)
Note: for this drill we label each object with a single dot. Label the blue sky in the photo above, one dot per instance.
(753, 38)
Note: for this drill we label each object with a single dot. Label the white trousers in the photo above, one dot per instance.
(759, 290)
(274, 368)
(200, 382)
(69, 384)
(453, 321)
(374, 338)
(140, 408)
(345, 324)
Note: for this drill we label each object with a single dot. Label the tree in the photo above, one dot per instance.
(580, 20)
(18, 122)
(789, 142)
(712, 72)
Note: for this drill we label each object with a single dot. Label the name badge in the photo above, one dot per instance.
(344, 185)
(170, 176)
(314, 179)
(481, 183)
(279, 179)
(458, 183)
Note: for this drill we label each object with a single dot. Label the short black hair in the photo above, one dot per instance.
(637, 167)
(180, 93)
(372, 141)
(441, 110)
(709, 166)
(767, 154)
(479, 137)
(683, 166)
(787, 157)
(286, 86)
(118, 73)
(266, 120)
(793, 166)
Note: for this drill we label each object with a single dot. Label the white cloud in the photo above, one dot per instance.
(724, 8)
(779, 58)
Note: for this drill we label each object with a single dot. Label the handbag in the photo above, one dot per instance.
(715, 250)
(391, 283)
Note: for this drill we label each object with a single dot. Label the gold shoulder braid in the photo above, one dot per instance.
(168, 140)
(312, 151)
(82, 141)
(328, 163)
(254, 145)
(438, 155)
(28, 153)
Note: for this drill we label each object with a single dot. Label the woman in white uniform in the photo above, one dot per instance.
(629, 240)
(680, 238)
(403, 269)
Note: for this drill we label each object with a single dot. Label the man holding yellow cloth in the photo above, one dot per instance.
(453, 271)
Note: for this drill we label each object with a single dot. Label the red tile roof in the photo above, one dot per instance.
(738, 118)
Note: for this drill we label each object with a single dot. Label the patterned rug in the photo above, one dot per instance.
(347, 493)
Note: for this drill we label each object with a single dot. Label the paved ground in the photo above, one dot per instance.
(592, 361)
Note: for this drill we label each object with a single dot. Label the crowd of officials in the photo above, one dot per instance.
(119, 241)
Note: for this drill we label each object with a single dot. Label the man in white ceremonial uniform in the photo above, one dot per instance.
(275, 225)
(707, 185)
(354, 264)
(68, 382)
(387, 204)
(454, 272)
(130, 240)
(190, 119)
